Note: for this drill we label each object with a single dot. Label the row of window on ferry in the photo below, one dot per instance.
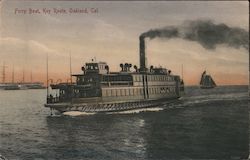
(138, 78)
(137, 91)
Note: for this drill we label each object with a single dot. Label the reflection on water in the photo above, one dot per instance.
(104, 136)
(210, 124)
(199, 133)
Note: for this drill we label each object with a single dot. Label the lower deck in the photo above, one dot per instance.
(110, 106)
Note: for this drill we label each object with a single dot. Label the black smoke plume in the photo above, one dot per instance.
(205, 32)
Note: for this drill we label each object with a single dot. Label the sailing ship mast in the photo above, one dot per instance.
(47, 75)
(70, 67)
(3, 74)
(13, 74)
(31, 78)
(23, 75)
(182, 71)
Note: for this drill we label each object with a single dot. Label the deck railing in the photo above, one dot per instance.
(51, 99)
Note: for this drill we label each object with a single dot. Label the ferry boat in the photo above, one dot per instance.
(98, 90)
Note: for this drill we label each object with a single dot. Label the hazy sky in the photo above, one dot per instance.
(112, 33)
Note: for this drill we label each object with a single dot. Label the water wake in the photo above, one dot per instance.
(135, 111)
(76, 113)
(198, 100)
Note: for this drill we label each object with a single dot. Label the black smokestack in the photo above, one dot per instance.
(205, 32)
(142, 54)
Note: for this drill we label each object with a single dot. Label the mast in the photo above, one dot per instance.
(182, 71)
(70, 67)
(47, 70)
(13, 74)
(70, 71)
(23, 74)
(31, 76)
(3, 78)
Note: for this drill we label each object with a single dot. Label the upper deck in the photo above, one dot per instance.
(98, 74)
(97, 81)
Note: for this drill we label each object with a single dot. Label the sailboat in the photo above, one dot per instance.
(206, 81)
(31, 85)
(7, 85)
(18, 85)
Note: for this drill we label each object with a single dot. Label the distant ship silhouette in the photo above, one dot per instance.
(206, 81)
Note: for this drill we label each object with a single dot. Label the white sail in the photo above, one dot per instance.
(207, 81)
